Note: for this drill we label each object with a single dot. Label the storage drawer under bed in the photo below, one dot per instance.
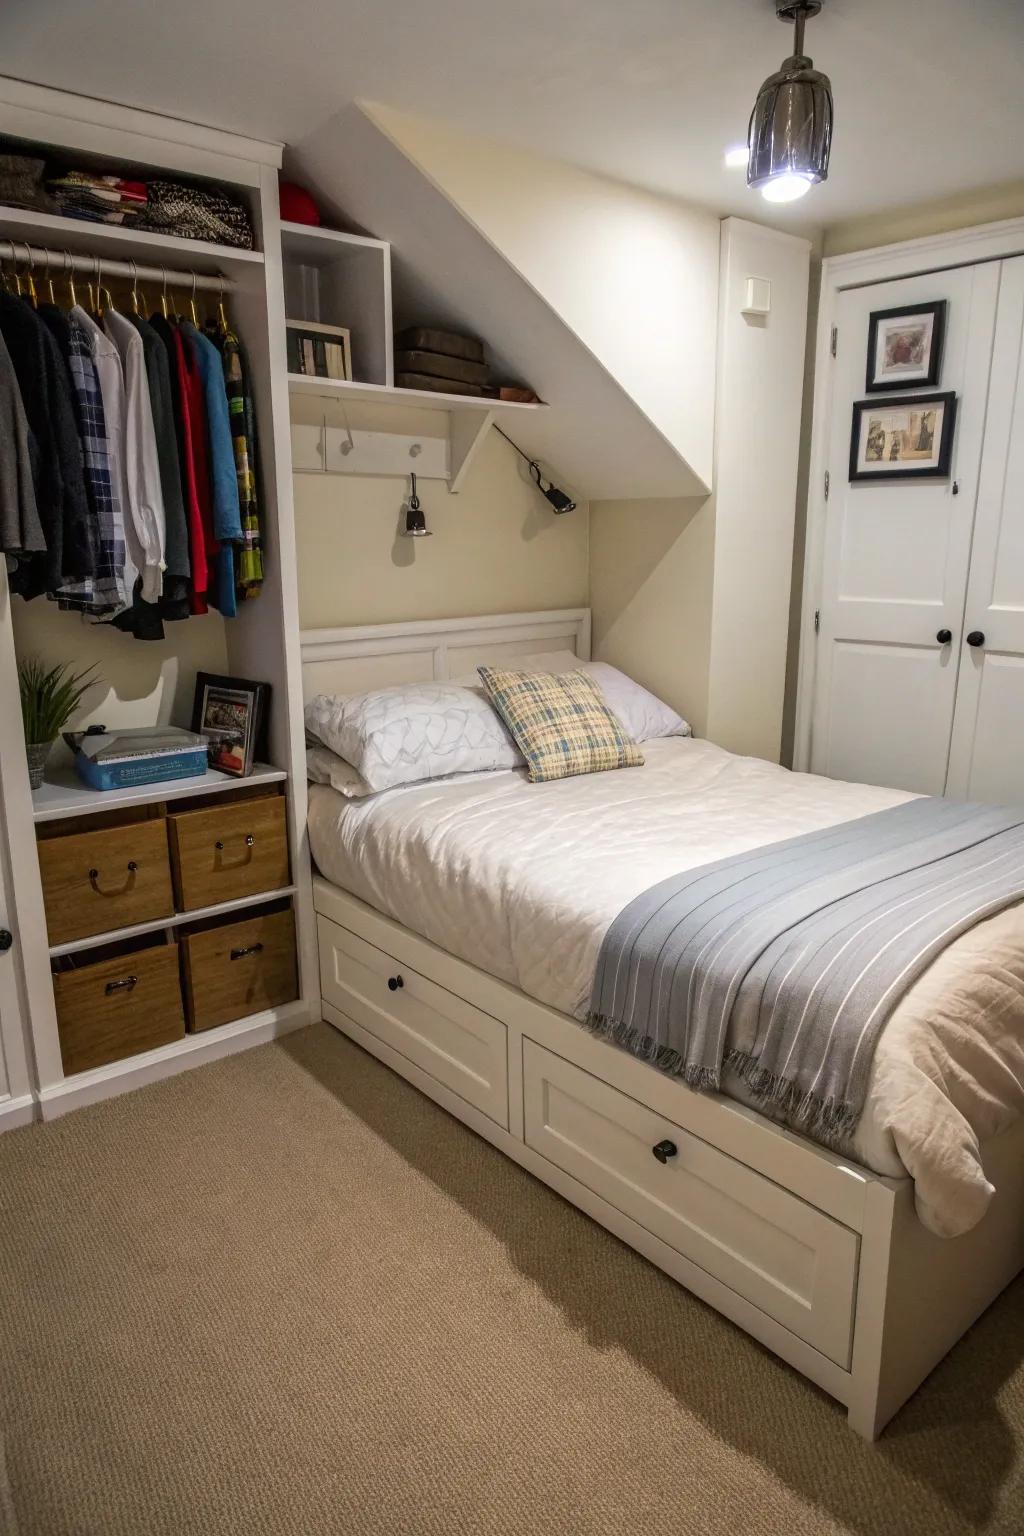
(457, 1044)
(774, 1249)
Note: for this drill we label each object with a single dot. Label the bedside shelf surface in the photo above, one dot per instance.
(63, 794)
(416, 399)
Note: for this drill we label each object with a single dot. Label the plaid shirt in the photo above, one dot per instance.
(106, 592)
(248, 554)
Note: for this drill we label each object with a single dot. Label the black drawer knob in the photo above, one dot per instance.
(976, 637)
(6, 940)
(394, 982)
(944, 636)
(664, 1150)
(247, 949)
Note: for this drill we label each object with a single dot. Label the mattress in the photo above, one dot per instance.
(522, 880)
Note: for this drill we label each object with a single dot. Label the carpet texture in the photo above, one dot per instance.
(287, 1294)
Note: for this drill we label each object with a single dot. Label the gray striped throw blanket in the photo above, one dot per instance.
(785, 963)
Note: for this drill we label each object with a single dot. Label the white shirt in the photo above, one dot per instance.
(142, 465)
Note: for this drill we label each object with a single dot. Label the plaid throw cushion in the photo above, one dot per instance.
(560, 723)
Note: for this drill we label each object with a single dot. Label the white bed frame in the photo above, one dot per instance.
(824, 1262)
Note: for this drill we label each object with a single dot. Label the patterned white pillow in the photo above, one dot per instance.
(413, 731)
(642, 715)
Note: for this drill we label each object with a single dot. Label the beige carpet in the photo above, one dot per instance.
(286, 1294)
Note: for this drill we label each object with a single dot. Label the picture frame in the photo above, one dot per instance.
(906, 439)
(319, 351)
(905, 346)
(231, 714)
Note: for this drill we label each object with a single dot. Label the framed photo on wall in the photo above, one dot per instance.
(231, 713)
(905, 345)
(906, 439)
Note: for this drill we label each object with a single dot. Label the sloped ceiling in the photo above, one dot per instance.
(493, 241)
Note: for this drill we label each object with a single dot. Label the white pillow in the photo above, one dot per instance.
(411, 732)
(642, 715)
(325, 767)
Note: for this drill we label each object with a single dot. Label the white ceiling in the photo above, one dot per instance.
(929, 96)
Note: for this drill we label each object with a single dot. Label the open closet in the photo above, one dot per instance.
(161, 924)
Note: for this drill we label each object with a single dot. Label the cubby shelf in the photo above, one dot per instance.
(63, 794)
(120, 243)
(173, 920)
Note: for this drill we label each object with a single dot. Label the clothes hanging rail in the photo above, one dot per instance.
(57, 263)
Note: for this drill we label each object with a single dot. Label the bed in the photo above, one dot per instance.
(459, 926)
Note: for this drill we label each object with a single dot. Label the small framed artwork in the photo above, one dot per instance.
(321, 351)
(231, 713)
(906, 439)
(905, 346)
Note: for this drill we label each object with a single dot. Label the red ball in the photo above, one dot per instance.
(297, 207)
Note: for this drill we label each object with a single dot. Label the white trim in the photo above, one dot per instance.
(931, 253)
(19, 1111)
(173, 920)
(425, 643)
(168, 1060)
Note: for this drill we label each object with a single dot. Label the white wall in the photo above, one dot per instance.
(634, 275)
(651, 593)
(496, 547)
(757, 438)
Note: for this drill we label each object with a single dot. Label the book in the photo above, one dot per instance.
(133, 756)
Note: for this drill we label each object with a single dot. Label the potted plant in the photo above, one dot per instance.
(49, 697)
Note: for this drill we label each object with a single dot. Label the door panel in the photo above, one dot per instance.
(896, 556)
(987, 756)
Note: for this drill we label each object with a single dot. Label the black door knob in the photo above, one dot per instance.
(664, 1150)
(6, 940)
(394, 982)
(976, 637)
(944, 636)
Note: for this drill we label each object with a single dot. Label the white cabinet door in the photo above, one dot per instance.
(897, 554)
(987, 755)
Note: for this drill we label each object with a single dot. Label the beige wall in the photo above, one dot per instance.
(981, 205)
(496, 547)
(651, 585)
(141, 682)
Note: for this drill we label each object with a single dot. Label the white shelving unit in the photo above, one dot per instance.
(345, 279)
(261, 642)
(62, 793)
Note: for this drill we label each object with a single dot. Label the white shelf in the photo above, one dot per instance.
(63, 794)
(81, 237)
(174, 920)
(315, 246)
(418, 399)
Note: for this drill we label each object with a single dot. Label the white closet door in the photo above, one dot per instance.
(987, 756)
(896, 556)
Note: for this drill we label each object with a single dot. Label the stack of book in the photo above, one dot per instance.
(128, 758)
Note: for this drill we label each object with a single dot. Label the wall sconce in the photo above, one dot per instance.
(558, 500)
(415, 517)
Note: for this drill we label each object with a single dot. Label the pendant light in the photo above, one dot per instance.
(790, 132)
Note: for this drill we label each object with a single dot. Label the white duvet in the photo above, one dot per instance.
(522, 880)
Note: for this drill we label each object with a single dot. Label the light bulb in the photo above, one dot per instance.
(786, 188)
(737, 155)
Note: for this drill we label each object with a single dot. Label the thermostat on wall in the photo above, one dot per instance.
(759, 296)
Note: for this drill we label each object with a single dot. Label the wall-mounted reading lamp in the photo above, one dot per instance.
(415, 517)
(560, 502)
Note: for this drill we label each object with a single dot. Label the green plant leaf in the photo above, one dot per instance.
(49, 697)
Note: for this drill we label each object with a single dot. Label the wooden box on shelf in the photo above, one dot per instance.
(234, 969)
(229, 850)
(118, 1006)
(110, 876)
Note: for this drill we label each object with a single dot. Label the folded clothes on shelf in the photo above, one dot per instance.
(98, 199)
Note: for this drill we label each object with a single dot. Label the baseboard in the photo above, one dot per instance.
(181, 1056)
(20, 1111)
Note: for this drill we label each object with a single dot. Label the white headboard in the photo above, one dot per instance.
(377, 655)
